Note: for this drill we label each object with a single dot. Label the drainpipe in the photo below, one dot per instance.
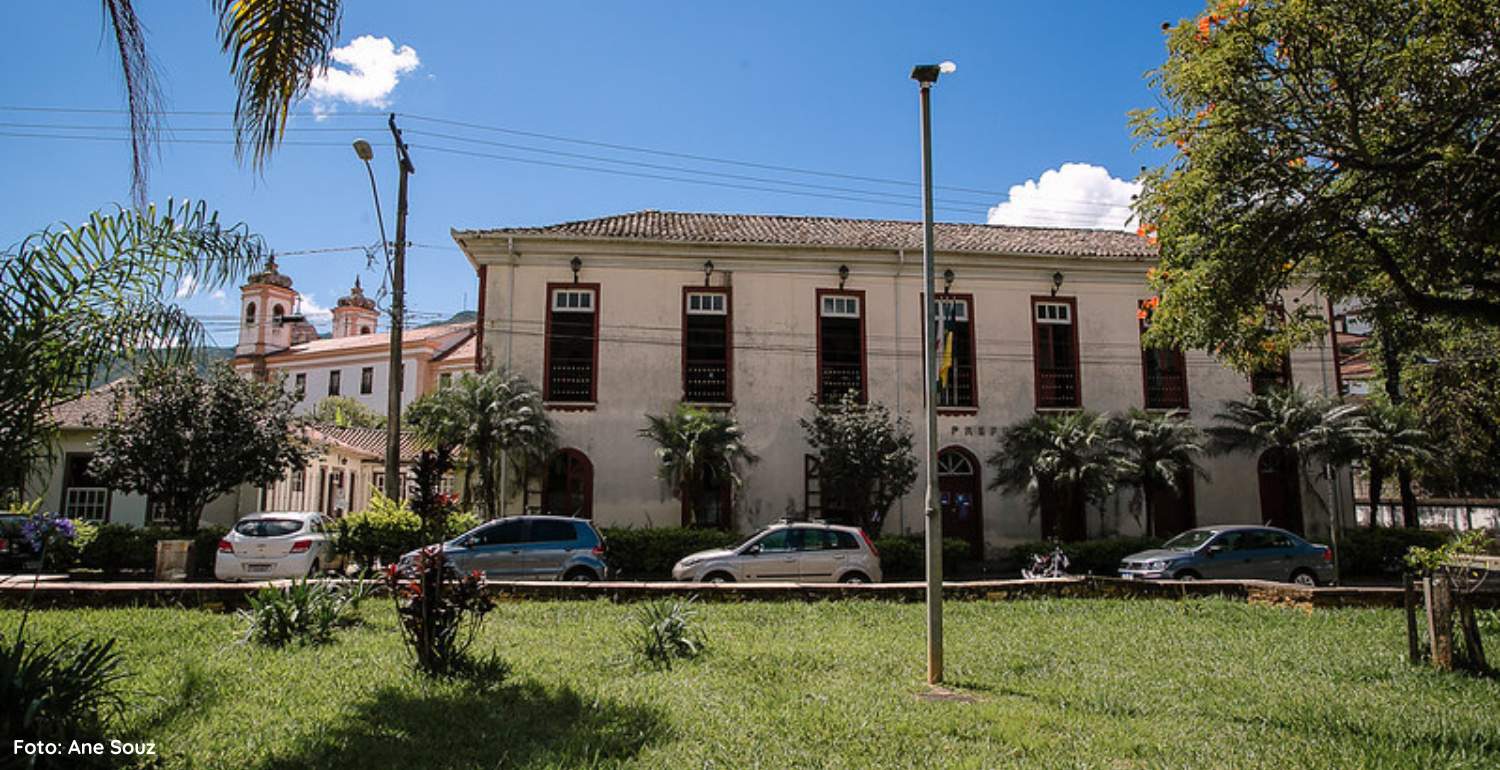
(896, 340)
(510, 316)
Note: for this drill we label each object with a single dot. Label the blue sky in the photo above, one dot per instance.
(817, 86)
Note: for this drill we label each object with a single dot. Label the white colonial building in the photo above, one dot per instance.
(627, 315)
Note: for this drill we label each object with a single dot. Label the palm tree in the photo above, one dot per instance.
(697, 451)
(1061, 462)
(76, 299)
(275, 48)
(495, 417)
(1159, 452)
(1390, 443)
(1301, 428)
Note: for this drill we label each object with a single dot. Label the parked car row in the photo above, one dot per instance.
(281, 545)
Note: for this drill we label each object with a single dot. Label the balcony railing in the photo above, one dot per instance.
(705, 382)
(570, 379)
(960, 389)
(1166, 390)
(1057, 387)
(834, 380)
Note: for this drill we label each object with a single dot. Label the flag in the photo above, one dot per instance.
(945, 368)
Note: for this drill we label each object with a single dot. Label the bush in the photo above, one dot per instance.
(459, 523)
(1085, 557)
(383, 531)
(649, 553)
(666, 631)
(120, 547)
(440, 613)
(904, 556)
(64, 554)
(305, 611)
(58, 693)
(1380, 552)
(205, 549)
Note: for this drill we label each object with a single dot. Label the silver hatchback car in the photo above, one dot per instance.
(802, 552)
(528, 548)
(1234, 553)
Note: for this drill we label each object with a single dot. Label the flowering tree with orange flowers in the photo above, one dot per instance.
(1346, 150)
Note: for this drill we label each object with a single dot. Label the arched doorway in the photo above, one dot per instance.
(568, 486)
(1280, 494)
(960, 491)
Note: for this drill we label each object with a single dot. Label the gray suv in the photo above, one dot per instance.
(1234, 553)
(528, 548)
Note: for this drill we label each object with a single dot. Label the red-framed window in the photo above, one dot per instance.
(1054, 336)
(1163, 370)
(960, 391)
(572, 349)
(707, 345)
(841, 345)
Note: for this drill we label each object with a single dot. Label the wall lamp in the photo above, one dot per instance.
(576, 264)
(948, 277)
(708, 271)
(1057, 279)
(843, 275)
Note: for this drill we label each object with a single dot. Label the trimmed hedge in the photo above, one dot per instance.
(1096, 557)
(386, 530)
(1379, 552)
(649, 553)
(901, 556)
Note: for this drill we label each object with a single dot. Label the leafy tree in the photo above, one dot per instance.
(346, 412)
(1062, 462)
(1391, 442)
(275, 49)
(865, 459)
(1348, 146)
(1310, 430)
(697, 451)
(185, 439)
(1453, 388)
(495, 417)
(1158, 452)
(73, 299)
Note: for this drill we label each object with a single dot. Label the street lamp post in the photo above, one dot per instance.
(926, 75)
(397, 263)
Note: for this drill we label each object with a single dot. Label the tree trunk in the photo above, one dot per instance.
(487, 483)
(1409, 517)
(1149, 508)
(1391, 359)
(1439, 600)
(1377, 480)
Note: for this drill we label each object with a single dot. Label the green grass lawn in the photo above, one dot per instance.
(1065, 683)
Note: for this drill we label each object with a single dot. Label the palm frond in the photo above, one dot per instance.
(276, 48)
(142, 95)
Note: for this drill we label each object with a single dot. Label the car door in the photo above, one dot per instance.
(773, 556)
(496, 550)
(1272, 556)
(817, 555)
(549, 544)
(1218, 562)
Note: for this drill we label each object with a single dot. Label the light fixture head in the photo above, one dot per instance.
(927, 74)
(576, 264)
(947, 68)
(363, 150)
(948, 277)
(843, 275)
(708, 271)
(1057, 281)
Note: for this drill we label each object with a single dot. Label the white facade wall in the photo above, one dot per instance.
(318, 372)
(774, 338)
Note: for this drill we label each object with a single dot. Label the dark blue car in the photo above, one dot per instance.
(1234, 552)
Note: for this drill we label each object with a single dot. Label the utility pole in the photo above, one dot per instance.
(926, 75)
(398, 320)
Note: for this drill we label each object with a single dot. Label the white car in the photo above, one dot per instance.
(801, 552)
(263, 546)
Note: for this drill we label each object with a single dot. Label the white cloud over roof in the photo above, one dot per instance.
(1072, 195)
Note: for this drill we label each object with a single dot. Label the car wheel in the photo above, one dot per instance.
(854, 578)
(581, 575)
(719, 577)
(1188, 575)
(1305, 578)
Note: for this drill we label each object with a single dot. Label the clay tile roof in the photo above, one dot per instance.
(464, 351)
(366, 441)
(689, 227)
(90, 410)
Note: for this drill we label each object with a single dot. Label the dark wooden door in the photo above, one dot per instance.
(1280, 494)
(569, 487)
(961, 494)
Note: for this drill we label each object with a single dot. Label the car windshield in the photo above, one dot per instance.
(267, 527)
(1189, 540)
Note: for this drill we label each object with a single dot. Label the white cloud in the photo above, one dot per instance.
(372, 66)
(1072, 195)
(316, 314)
(219, 296)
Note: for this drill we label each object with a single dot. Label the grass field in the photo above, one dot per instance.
(1066, 683)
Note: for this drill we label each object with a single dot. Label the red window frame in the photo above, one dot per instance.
(547, 350)
(973, 350)
(864, 363)
(728, 337)
(1036, 349)
(1142, 325)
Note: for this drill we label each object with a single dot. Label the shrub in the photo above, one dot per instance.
(66, 553)
(649, 553)
(59, 693)
(904, 556)
(440, 613)
(305, 611)
(1380, 552)
(665, 631)
(205, 549)
(460, 522)
(385, 530)
(1085, 557)
(119, 547)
